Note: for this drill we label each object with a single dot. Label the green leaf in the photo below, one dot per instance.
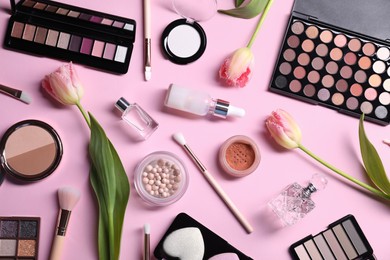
(111, 185)
(250, 10)
(372, 161)
(239, 2)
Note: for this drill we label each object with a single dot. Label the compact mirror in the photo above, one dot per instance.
(30, 150)
(184, 40)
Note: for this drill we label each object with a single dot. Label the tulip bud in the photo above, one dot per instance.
(64, 85)
(284, 129)
(236, 70)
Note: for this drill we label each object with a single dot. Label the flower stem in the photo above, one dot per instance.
(84, 113)
(262, 18)
(338, 171)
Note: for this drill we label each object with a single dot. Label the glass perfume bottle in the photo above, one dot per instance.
(295, 202)
(136, 117)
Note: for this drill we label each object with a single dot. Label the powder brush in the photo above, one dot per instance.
(15, 93)
(68, 198)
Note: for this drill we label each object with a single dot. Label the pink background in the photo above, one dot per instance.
(331, 135)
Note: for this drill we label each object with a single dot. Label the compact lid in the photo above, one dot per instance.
(361, 16)
(200, 10)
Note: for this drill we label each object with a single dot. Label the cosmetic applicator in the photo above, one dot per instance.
(68, 198)
(179, 138)
(15, 93)
(146, 255)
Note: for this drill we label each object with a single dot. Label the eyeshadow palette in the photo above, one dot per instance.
(71, 33)
(339, 68)
(186, 237)
(343, 240)
(19, 237)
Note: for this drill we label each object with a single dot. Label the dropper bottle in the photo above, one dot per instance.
(199, 103)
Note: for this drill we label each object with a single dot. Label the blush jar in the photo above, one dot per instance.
(161, 178)
(239, 156)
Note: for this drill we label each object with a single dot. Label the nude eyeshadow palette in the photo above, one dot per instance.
(342, 240)
(342, 68)
(19, 237)
(71, 33)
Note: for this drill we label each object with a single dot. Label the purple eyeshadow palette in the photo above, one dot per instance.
(71, 33)
(19, 237)
(334, 57)
(186, 238)
(343, 240)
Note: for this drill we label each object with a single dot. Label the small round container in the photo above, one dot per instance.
(239, 156)
(161, 178)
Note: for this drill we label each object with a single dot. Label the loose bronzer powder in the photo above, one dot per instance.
(240, 156)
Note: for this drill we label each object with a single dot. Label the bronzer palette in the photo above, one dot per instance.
(343, 240)
(19, 237)
(327, 58)
(71, 33)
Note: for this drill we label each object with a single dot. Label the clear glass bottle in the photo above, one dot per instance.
(136, 117)
(199, 103)
(295, 202)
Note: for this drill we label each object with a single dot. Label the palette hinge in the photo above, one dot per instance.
(305, 16)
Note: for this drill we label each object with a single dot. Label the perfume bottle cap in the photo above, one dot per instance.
(319, 181)
(224, 109)
(122, 104)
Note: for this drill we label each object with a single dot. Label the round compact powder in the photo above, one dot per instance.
(239, 156)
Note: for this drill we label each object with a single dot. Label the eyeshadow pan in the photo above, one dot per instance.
(28, 229)
(386, 84)
(307, 45)
(63, 40)
(375, 80)
(86, 17)
(342, 85)
(384, 98)
(281, 81)
(369, 49)
(109, 51)
(360, 76)
(17, 30)
(352, 103)
(62, 11)
(51, 8)
(303, 59)
(370, 94)
(323, 94)
(356, 89)
(327, 81)
(118, 24)
(346, 72)
(313, 76)
(336, 54)
(364, 63)
(381, 112)
(337, 99)
(120, 55)
(29, 32)
(285, 68)
(299, 72)
(334, 245)
(107, 21)
(96, 19)
(129, 27)
(8, 247)
(40, 6)
(383, 53)
(26, 248)
(332, 67)
(350, 58)
(97, 49)
(73, 14)
(379, 67)
(295, 85)
(52, 37)
(366, 107)
(326, 36)
(354, 45)
(289, 55)
(293, 41)
(322, 50)
(312, 249)
(29, 3)
(309, 90)
(317, 63)
(8, 229)
(312, 32)
(75, 43)
(345, 242)
(323, 247)
(40, 35)
(86, 46)
(340, 40)
(301, 252)
(297, 28)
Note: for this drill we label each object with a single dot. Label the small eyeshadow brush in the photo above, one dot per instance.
(15, 93)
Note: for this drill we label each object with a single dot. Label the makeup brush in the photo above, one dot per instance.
(179, 138)
(68, 198)
(15, 93)
(146, 242)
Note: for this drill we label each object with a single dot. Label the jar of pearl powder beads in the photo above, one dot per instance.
(161, 178)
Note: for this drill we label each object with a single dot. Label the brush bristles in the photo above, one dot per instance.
(25, 98)
(179, 138)
(147, 229)
(68, 197)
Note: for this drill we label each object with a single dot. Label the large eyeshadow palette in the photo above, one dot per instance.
(19, 237)
(186, 238)
(71, 33)
(343, 240)
(337, 59)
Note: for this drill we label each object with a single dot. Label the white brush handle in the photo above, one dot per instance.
(56, 249)
(229, 203)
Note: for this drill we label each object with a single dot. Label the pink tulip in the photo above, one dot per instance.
(284, 129)
(236, 70)
(64, 85)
